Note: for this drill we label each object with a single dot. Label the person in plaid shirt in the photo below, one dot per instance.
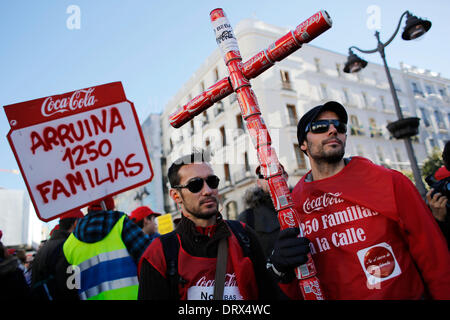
(95, 227)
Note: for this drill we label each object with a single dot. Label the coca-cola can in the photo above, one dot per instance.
(256, 65)
(314, 26)
(238, 80)
(307, 269)
(288, 218)
(283, 47)
(311, 289)
(258, 131)
(179, 117)
(269, 161)
(279, 192)
(198, 104)
(219, 90)
(248, 102)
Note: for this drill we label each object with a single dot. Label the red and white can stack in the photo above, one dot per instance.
(269, 164)
(263, 60)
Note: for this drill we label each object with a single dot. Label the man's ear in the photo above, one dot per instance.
(304, 146)
(173, 193)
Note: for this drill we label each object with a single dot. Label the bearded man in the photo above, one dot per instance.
(205, 257)
(372, 236)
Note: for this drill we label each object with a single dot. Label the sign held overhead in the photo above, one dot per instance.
(78, 147)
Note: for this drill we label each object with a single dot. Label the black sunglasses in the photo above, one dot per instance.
(196, 184)
(321, 126)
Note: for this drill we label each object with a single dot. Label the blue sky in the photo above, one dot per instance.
(153, 47)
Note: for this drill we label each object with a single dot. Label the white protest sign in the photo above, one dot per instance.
(78, 147)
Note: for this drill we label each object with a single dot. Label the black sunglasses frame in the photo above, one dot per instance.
(340, 126)
(211, 181)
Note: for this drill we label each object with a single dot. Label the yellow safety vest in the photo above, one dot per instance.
(107, 270)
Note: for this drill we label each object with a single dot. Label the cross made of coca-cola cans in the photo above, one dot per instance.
(238, 82)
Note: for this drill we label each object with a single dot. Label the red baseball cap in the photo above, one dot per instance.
(72, 214)
(141, 212)
(53, 230)
(97, 206)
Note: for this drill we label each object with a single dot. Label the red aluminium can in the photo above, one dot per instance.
(288, 218)
(279, 192)
(311, 289)
(258, 131)
(256, 65)
(247, 102)
(268, 161)
(313, 27)
(283, 47)
(179, 117)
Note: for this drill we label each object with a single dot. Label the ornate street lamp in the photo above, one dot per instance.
(404, 128)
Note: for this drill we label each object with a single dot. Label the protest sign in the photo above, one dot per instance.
(75, 148)
(165, 223)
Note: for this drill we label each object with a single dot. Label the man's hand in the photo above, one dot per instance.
(289, 251)
(438, 205)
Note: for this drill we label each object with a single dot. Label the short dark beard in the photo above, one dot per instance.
(332, 158)
(198, 215)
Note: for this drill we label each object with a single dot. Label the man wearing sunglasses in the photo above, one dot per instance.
(206, 246)
(372, 236)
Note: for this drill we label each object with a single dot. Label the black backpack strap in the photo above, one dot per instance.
(238, 229)
(171, 247)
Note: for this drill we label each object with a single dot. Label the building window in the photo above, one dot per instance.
(355, 128)
(216, 74)
(219, 108)
(442, 92)
(224, 137)
(240, 124)
(375, 132)
(246, 162)
(338, 69)
(232, 210)
(292, 114)
(285, 80)
(317, 64)
(323, 91)
(425, 117)
(300, 157)
(439, 120)
(202, 86)
(383, 103)
(205, 118)
(226, 170)
(416, 89)
(365, 99)
(346, 96)
(429, 89)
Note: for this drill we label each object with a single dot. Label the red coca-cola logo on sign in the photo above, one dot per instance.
(79, 99)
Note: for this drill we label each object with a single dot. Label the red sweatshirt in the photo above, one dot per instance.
(372, 236)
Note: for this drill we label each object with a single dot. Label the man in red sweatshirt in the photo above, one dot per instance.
(372, 236)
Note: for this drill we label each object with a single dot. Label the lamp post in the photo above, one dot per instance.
(403, 128)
